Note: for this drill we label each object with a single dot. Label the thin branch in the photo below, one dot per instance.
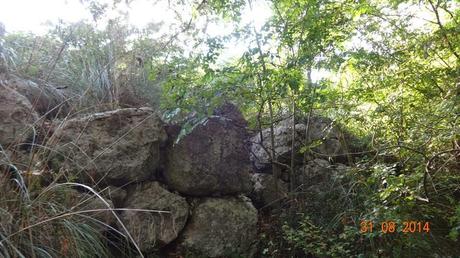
(442, 29)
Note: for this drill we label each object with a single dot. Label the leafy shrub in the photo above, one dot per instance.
(316, 241)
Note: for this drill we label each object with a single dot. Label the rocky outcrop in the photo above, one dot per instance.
(315, 171)
(117, 147)
(267, 191)
(319, 172)
(183, 195)
(212, 159)
(220, 228)
(323, 138)
(22, 103)
(17, 117)
(45, 99)
(162, 218)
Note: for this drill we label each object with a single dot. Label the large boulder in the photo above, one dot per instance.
(45, 99)
(315, 172)
(320, 172)
(163, 222)
(267, 191)
(323, 138)
(220, 228)
(17, 117)
(212, 159)
(118, 147)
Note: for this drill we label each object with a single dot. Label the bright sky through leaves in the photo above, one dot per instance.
(27, 15)
(30, 15)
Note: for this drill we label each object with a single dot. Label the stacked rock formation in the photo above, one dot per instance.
(186, 194)
(321, 155)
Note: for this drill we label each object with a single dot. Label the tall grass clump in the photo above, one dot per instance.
(103, 69)
(51, 221)
(45, 213)
(42, 214)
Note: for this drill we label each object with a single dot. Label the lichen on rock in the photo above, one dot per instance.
(117, 147)
(211, 160)
(220, 227)
(163, 223)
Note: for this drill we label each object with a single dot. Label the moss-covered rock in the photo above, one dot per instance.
(163, 223)
(117, 146)
(212, 159)
(220, 227)
(17, 117)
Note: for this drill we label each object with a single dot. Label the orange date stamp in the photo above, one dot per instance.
(389, 227)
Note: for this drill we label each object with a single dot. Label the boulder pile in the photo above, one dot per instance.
(187, 193)
(165, 180)
(320, 154)
(118, 147)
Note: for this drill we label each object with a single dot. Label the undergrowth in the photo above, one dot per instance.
(41, 222)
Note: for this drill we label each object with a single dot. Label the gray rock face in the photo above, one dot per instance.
(315, 172)
(45, 100)
(220, 228)
(264, 193)
(153, 229)
(17, 117)
(320, 172)
(211, 160)
(117, 146)
(322, 136)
